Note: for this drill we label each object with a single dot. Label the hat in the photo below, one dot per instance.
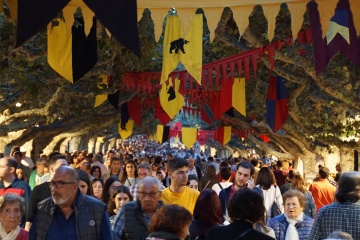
(22, 149)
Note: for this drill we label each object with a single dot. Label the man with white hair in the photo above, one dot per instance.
(138, 213)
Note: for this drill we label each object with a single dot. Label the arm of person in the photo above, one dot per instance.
(279, 199)
(118, 227)
(105, 229)
(31, 209)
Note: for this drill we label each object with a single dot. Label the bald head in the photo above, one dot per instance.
(67, 173)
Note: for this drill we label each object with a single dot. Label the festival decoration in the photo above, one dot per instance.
(176, 48)
(238, 95)
(224, 134)
(277, 103)
(162, 133)
(189, 136)
(340, 36)
(170, 98)
(126, 131)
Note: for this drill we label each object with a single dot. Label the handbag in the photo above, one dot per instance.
(275, 210)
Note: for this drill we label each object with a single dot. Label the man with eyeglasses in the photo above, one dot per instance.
(69, 214)
(138, 213)
(143, 171)
(42, 191)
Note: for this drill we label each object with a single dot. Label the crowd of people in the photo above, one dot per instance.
(142, 190)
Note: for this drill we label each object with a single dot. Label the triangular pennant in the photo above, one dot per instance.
(99, 99)
(134, 107)
(224, 134)
(160, 113)
(170, 98)
(238, 95)
(120, 17)
(173, 44)
(125, 116)
(34, 15)
(189, 136)
(277, 103)
(126, 131)
(191, 58)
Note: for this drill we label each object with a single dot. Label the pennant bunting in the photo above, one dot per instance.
(120, 18)
(340, 36)
(162, 133)
(189, 136)
(160, 113)
(191, 58)
(99, 99)
(73, 54)
(238, 95)
(201, 138)
(170, 98)
(34, 15)
(125, 116)
(126, 131)
(264, 137)
(277, 103)
(134, 108)
(224, 135)
(173, 45)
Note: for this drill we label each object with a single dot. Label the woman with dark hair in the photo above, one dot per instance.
(293, 224)
(109, 187)
(84, 183)
(193, 182)
(119, 197)
(95, 171)
(163, 227)
(209, 179)
(266, 182)
(298, 183)
(130, 176)
(97, 187)
(207, 214)
(245, 208)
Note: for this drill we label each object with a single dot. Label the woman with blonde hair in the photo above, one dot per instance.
(299, 184)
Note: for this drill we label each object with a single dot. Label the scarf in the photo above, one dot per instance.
(9, 236)
(291, 231)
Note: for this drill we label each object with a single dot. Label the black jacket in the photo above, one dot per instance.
(234, 230)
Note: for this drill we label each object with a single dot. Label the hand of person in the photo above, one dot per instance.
(250, 183)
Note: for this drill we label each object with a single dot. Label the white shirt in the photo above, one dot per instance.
(269, 197)
(224, 185)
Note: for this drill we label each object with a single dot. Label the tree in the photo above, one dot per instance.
(323, 110)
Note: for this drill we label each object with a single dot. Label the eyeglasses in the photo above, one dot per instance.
(58, 184)
(8, 212)
(291, 205)
(150, 194)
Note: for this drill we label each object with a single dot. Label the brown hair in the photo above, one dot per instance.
(265, 178)
(163, 219)
(298, 182)
(295, 193)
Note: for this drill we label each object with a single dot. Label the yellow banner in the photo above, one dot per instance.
(238, 95)
(189, 136)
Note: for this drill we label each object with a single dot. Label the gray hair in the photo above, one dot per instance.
(149, 180)
(144, 165)
(12, 198)
(338, 235)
